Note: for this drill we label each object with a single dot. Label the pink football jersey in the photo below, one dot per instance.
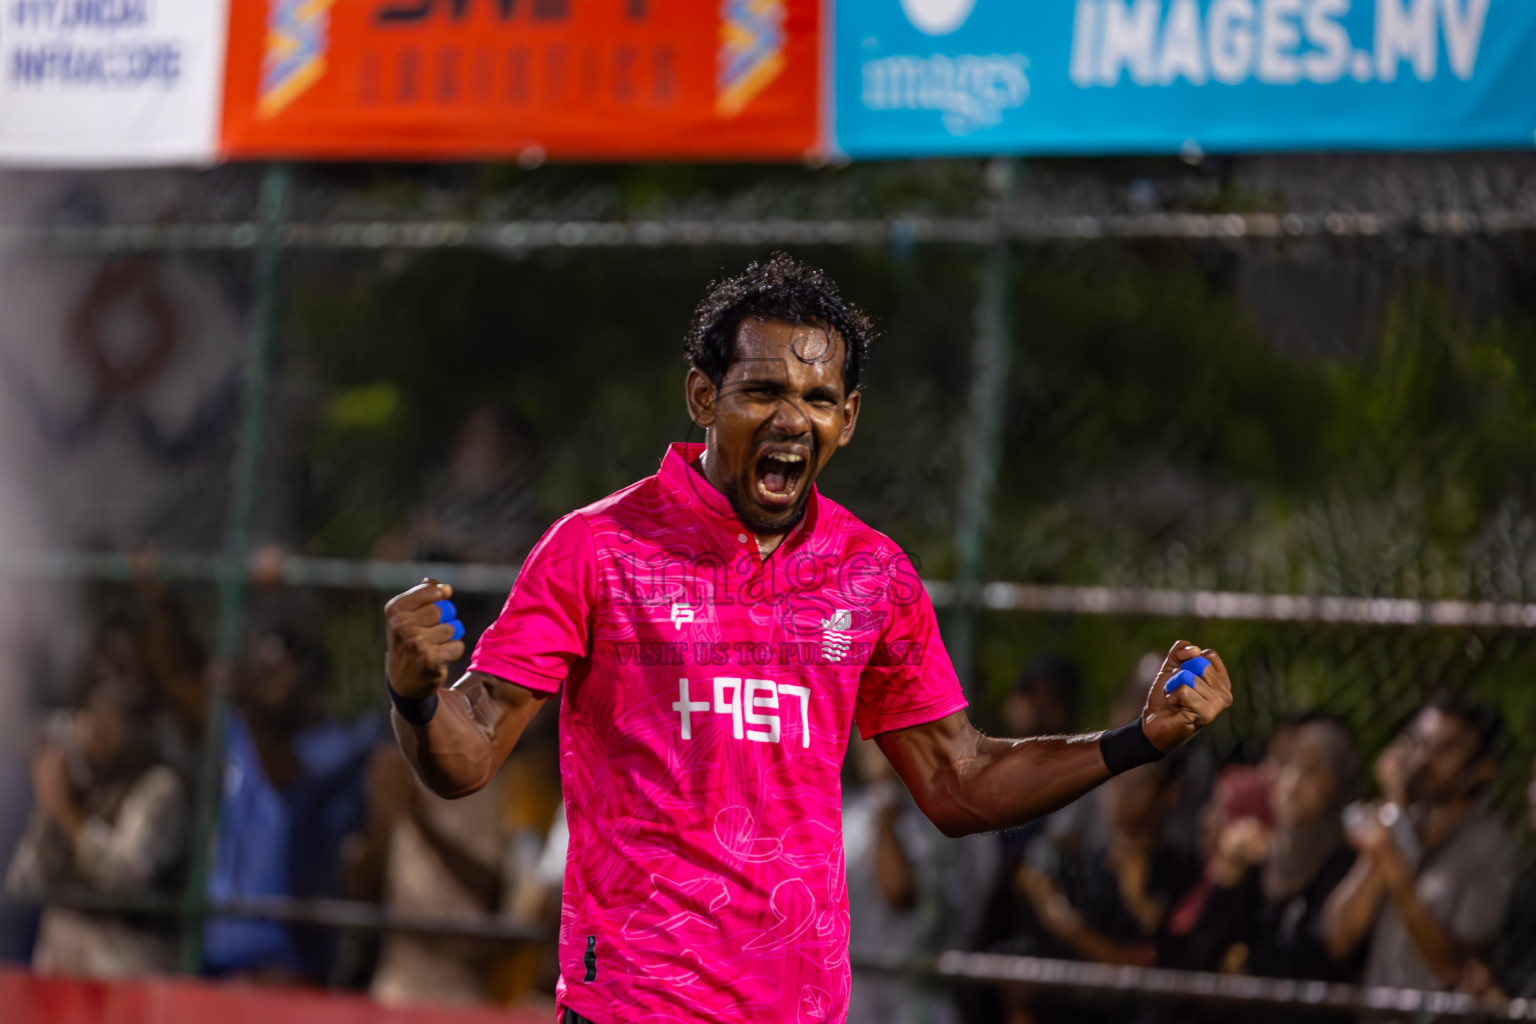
(707, 699)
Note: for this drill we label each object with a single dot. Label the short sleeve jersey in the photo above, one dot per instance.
(707, 695)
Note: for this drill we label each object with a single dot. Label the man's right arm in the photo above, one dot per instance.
(457, 746)
(477, 723)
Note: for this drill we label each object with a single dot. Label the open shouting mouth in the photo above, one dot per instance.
(778, 477)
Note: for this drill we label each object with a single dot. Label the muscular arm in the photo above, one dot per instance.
(966, 782)
(478, 721)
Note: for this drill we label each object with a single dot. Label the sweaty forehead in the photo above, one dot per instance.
(808, 354)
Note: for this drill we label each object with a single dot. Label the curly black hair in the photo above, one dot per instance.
(783, 288)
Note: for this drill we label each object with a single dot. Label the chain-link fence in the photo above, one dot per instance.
(1279, 406)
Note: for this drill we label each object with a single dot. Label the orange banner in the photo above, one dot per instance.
(466, 79)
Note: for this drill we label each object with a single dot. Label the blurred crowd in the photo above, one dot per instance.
(1308, 863)
(311, 808)
(1303, 865)
(1282, 868)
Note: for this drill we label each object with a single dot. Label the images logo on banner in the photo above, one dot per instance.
(969, 90)
(926, 77)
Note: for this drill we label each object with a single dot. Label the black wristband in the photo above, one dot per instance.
(1127, 747)
(415, 710)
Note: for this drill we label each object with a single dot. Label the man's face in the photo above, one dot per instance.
(1439, 749)
(776, 419)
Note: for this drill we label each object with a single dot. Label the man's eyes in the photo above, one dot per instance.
(769, 392)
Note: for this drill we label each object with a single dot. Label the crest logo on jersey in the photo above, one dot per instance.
(682, 615)
(835, 638)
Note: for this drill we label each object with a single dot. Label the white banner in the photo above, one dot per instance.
(111, 83)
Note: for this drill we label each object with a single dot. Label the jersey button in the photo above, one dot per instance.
(741, 538)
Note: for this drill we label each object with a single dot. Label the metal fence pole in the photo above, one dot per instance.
(232, 568)
(979, 461)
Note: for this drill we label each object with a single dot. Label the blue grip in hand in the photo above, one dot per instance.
(1192, 669)
(448, 615)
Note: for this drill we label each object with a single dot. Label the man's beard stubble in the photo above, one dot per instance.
(757, 526)
(766, 529)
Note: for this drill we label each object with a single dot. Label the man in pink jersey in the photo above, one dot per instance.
(714, 631)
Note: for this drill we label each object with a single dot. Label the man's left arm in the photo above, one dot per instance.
(966, 782)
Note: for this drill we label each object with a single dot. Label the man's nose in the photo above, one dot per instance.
(789, 418)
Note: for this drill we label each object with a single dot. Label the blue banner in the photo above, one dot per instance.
(940, 77)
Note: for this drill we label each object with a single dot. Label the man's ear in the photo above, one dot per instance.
(851, 418)
(700, 393)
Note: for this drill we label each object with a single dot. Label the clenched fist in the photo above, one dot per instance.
(1171, 719)
(424, 638)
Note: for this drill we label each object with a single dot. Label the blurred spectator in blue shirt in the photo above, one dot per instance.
(293, 790)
